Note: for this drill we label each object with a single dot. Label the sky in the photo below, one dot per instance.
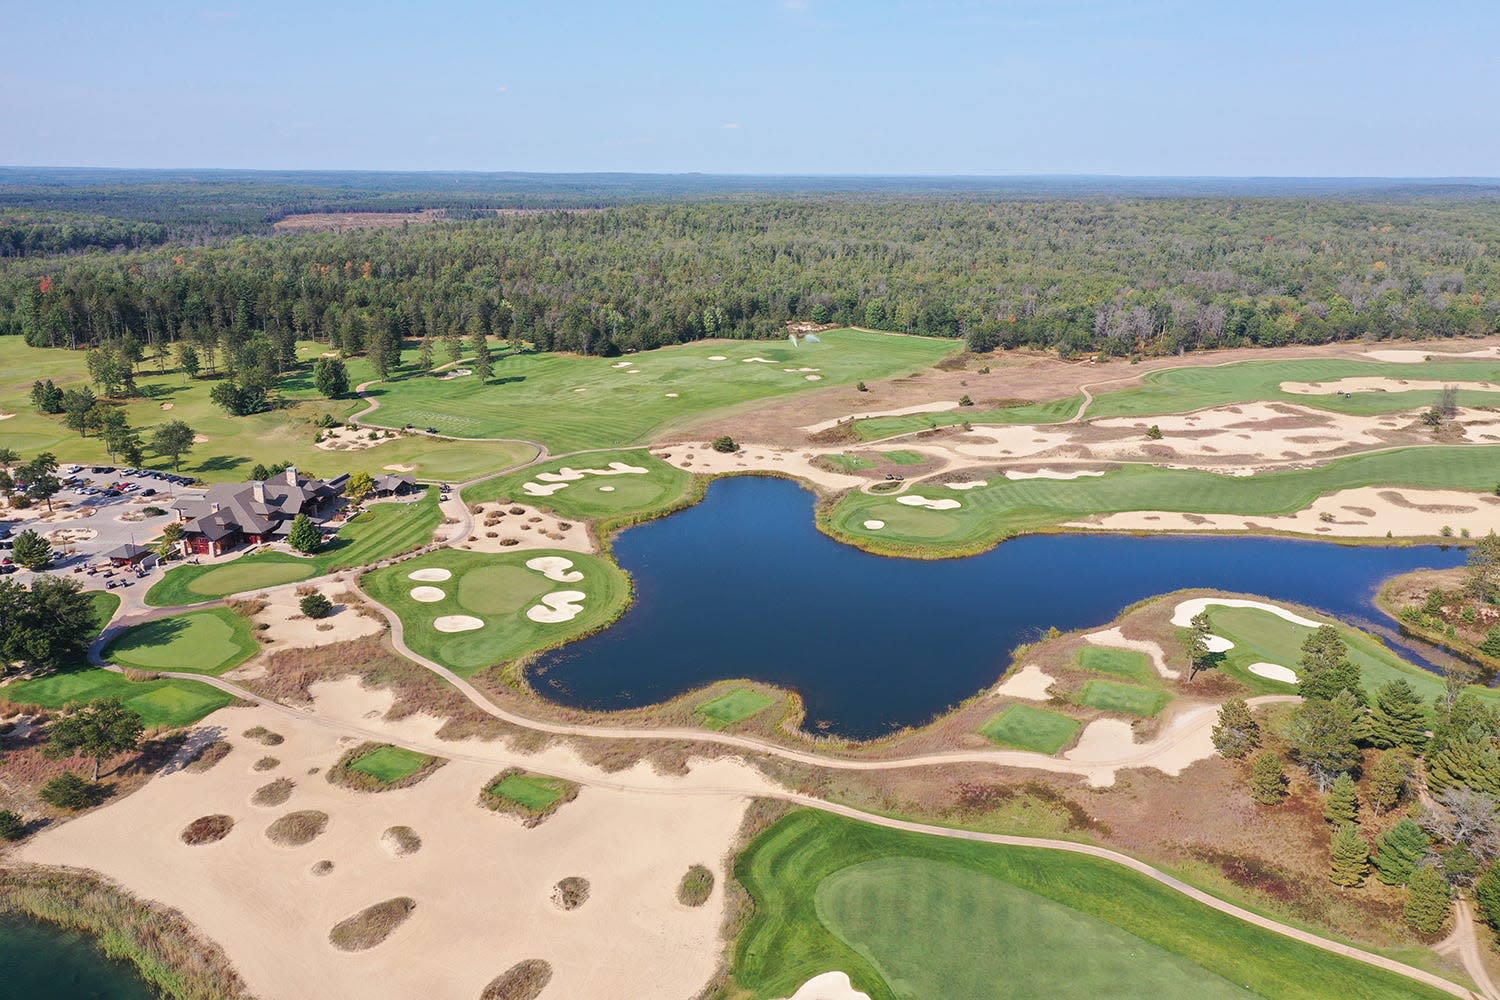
(1132, 87)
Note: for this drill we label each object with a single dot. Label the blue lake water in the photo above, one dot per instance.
(744, 585)
(41, 962)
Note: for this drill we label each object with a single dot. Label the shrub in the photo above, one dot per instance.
(1153, 432)
(861, 387)
(274, 794)
(264, 736)
(401, 840)
(267, 764)
(69, 791)
(372, 925)
(207, 829)
(296, 829)
(724, 444)
(696, 886)
(522, 981)
(964, 400)
(12, 826)
(315, 606)
(571, 893)
(152, 511)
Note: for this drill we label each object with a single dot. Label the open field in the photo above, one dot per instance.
(591, 495)
(170, 703)
(568, 402)
(385, 529)
(202, 642)
(284, 434)
(1007, 507)
(1027, 728)
(502, 595)
(909, 916)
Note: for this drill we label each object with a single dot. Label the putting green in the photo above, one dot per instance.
(908, 915)
(500, 593)
(1128, 699)
(1028, 728)
(201, 642)
(244, 574)
(735, 706)
(390, 763)
(533, 792)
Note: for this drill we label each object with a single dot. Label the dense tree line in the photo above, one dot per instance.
(1119, 276)
(24, 234)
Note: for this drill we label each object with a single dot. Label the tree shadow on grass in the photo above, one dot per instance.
(221, 463)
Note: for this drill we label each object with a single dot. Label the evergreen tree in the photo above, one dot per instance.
(1398, 853)
(1322, 736)
(331, 377)
(1325, 668)
(1428, 901)
(1237, 732)
(1390, 779)
(484, 363)
(1487, 895)
(1349, 857)
(304, 536)
(1466, 762)
(1342, 804)
(1196, 643)
(1398, 717)
(424, 355)
(1460, 866)
(1268, 779)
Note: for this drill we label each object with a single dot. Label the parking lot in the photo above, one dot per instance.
(98, 510)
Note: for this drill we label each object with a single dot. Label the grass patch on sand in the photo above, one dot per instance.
(696, 886)
(372, 925)
(850, 462)
(1027, 728)
(1129, 699)
(385, 529)
(297, 829)
(381, 767)
(736, 706)
(1006, 507)
(499, 590)
(660, 488)
(169, 703)
(207, 830)
(903, 457)
(531, 796)
(568, 402)
(200, 642)
(522, 981)
(908, 915)
(1122, 662)
(235, 444)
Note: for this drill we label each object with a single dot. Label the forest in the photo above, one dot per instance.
(616, 266)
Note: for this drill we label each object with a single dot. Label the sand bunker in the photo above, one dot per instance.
(457, 623)
(1381, 385)
(427, 595)
(801, 370)
(1408, 357)
(559, 606)
(455, 373)
(759, 361)
(431, 575)
(570, 475)
(829, 986)
(972, 484)
(633, 371)
(814, 378)
(874, 525)
(1217, 644)
(541, 490)
(940, 407)
(555, 568)
(606, 489)
(1184, 613)
(1052, 474)
(1030, 682)
(399, 468)
(1274, 671)
(913, 500)
(717, 357)
(672, 395)
(1114, 638)
(622, 364)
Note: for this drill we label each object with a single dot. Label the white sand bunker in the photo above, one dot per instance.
(432, 575)
(1217, 644)
(569, 475)
(1409, 357)
(560, 606)
(455, 373)
(1274, 671)
(457, 623)
(873, 525)
(671, 395)
(555, 568)
(427, 595)
(972, 484)
(1381, 385)
(606, 489)
(622, 364)
(717, 357)
(799, 371)
(1052, 474)
(913, 500)
(542, 489)
(814, 378)
(1030, 682)
(829, 986)
(759, 361)
(633, 371)
(1184, 613)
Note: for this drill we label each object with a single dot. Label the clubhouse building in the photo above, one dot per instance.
(235, 514)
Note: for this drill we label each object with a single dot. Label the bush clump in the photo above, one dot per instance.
(12, 826)
(401, 841)
(69, 791)
(522, 981)
(724, 444)
(274, 794)
(207, 829)
(264, 736)
(210, 755)
(372, 925)
(696, 886)
(296, 829)
(315, 606)
(267, 764)
(571, 893)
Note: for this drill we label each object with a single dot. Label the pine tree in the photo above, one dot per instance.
(1342, 804)
(1400, 851)
(1237, 732)
(1398, 717)
(484, 363)
(304, 536)
(1268, 779)
(1466, 761)
(1390, 778)
(424, 355)
(1322, 735)
(1487, 895)
(1349, 857)
(1325, 668)
(1428, 903)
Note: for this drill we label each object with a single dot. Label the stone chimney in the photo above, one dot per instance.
(258, 491)
(214, 507)
(291, 475)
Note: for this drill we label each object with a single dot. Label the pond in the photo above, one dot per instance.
(744, 585)
(41, 962)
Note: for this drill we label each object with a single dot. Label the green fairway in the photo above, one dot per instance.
(1129, 699)
(851, 462)
(385, 529)
(662, 486)
(388, 763)
(1124, 662)
(202, 642)
(903, 457)
(1007, 507)
(911, 917)
(169, 703)
(235, 444)
(736, 706)
(569, 402)
(498, 590)
(1261, 637)
(1028, 728)
(105, 604)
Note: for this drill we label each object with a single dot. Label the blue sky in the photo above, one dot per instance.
(1155, 87)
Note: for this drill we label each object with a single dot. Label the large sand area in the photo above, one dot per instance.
(482, 882)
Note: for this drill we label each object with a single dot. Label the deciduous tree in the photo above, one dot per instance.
(173, 440)
(102, 729)
(304, 535)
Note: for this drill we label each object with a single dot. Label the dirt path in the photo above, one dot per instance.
(1464, 945)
